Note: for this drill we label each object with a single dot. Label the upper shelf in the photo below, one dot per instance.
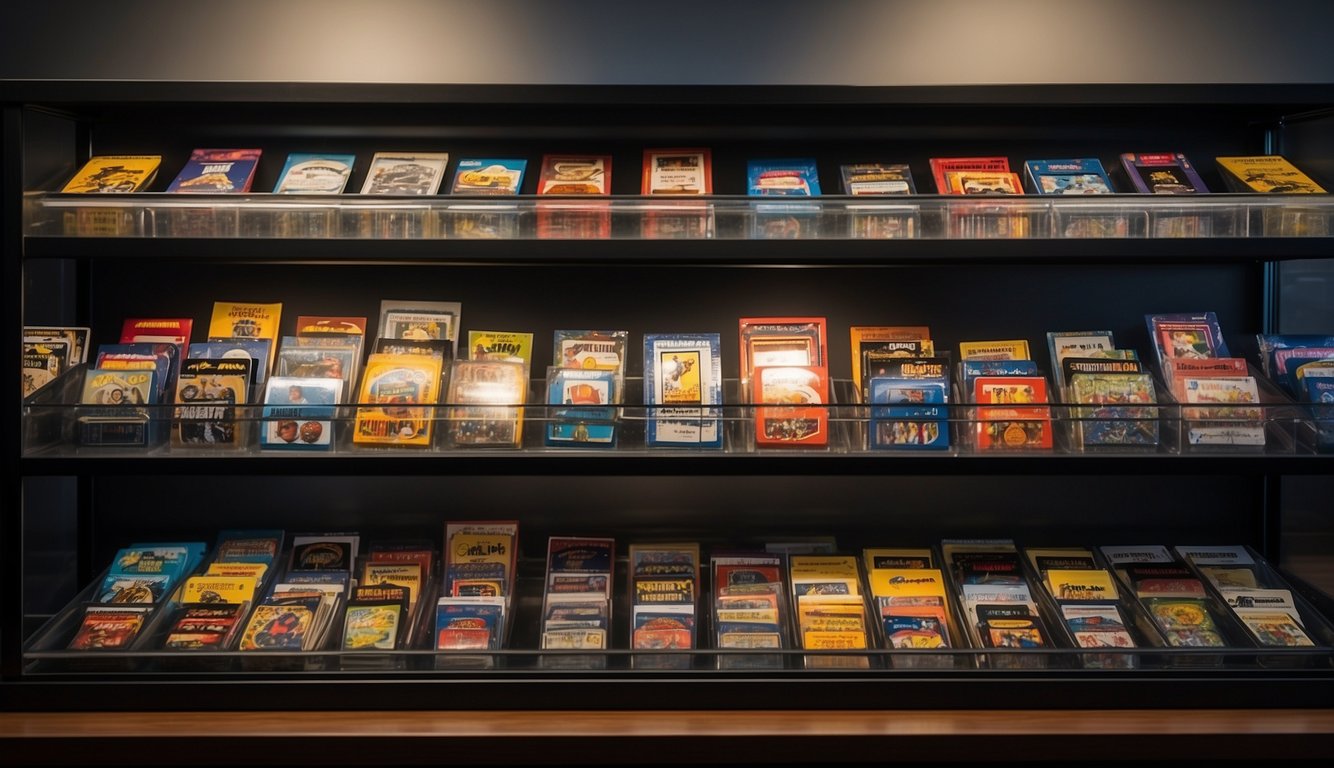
(721, 228)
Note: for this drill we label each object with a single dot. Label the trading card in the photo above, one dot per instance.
(219, 589)
(1070, 366)
(1097, 626)
(205, 627)
(255, 350)
(983, 183)
(1063, 344)
(683, 370)
(575, 175)
(915, 416)
(231, 320)
(1186, 335)
(1083, 584)
(468, 625)
(590, 350)
(915, 632)
(307, 173)
(1162, 173)
(1014, 349)
(580, 555)
(372, 626)
(207, 394)
(481, 550)
(418, 325)
(780, 341)
(488, 177)
(940, 166)
(485, 399)
(119, 388)
(508, 346)
(877, 179)
(277, 628)
(43, 361)
(406, 173)
(1084, 176)
(391, 388)
(1275, 628)
(678, 172)
(805, 392)
(662, 630)
(407, 575)
(324, 552)
(108, 628)
(580, 407)
(782, 177)
(1123, 414)
(298, 413)
(1185, 623)
(211, 171)
(879, 558)
(114, 174)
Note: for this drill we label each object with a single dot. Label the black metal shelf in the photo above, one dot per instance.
(668, 463)
(565, 253)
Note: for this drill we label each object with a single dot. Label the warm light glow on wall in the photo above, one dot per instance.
(833, 42)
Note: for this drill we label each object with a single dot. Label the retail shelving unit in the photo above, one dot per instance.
(67, 509)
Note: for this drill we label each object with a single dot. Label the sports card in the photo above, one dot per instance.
(207, 394)
(298, 413)
(683, 370)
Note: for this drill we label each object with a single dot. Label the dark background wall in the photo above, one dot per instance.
(840, 42)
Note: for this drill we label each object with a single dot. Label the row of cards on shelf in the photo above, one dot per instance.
(897, 370)
(682, 172)
(253, 593)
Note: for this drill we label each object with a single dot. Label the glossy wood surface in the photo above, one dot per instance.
(646, 737)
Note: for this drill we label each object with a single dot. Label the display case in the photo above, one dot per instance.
(928, 260)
